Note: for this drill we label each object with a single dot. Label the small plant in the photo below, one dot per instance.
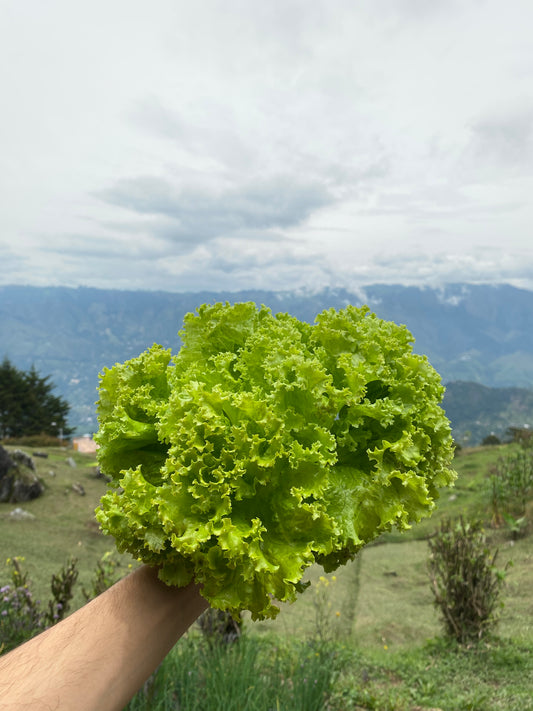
(105, 575)
(498, 498)
(21, 616)
(516, 526)
(465, 583)
(326, 619)
(511, 485)
(522, 436)
(349, 608)
(515, 475)
(61, 585)
(220, 626)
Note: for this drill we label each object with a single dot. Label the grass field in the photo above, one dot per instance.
(379, 610)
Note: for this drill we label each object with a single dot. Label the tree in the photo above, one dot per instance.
(521, 435)
(28, 406)
(491, 440)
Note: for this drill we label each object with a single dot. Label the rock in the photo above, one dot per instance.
(20, 457)
(99, 474)
(19, 514)
(18, 481)
(71, 462)
(78, 489)
(44, 455)
(6, 465)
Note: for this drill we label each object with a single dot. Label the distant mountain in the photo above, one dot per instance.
(481, 334)
(477, 411)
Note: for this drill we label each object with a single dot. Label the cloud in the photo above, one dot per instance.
(237, 265)
(502, 142)
(10, 263)
(482, 265)
(281, 144)
(201, 215)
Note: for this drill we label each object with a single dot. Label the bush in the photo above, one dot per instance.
(105, 575)
(21, 616)
(36, 440)
(521, 435)
(511, 483)
(464, 580)
(220, 626)
(491, 440)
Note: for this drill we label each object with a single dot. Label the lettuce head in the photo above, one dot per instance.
(267, 444)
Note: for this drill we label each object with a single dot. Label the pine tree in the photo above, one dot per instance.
(28, 406)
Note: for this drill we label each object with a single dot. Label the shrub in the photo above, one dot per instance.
(465, 583)
(521, 435)
(61, 585)
(220, 626)
(21, 616)
(327, 626)
(491, 440)
(105, 575)
(511, 482)
(35, 440)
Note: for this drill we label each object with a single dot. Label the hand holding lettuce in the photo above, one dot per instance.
(267, 444)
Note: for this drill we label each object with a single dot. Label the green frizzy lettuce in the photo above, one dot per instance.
(266, 445)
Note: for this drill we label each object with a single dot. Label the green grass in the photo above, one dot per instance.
(64, 523)
(495, 676)
(380, 618)
(249, 675)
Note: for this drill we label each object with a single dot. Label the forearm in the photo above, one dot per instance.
(96, 659)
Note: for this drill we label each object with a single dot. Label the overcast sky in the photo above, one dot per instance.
(275, 144)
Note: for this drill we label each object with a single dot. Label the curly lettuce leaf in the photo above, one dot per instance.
(267, 444)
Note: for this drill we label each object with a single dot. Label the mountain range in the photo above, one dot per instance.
(479, 338)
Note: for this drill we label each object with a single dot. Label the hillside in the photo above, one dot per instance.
(477, 411)
(481, 334)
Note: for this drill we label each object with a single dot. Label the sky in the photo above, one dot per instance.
(288, 144)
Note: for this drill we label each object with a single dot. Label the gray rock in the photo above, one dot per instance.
(71, 462)
(20, 457)
(18, 481)
(19, 514)
(78, 489)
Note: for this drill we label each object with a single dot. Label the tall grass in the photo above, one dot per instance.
(253, 674)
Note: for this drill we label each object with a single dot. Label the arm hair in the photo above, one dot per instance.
(98, 657)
